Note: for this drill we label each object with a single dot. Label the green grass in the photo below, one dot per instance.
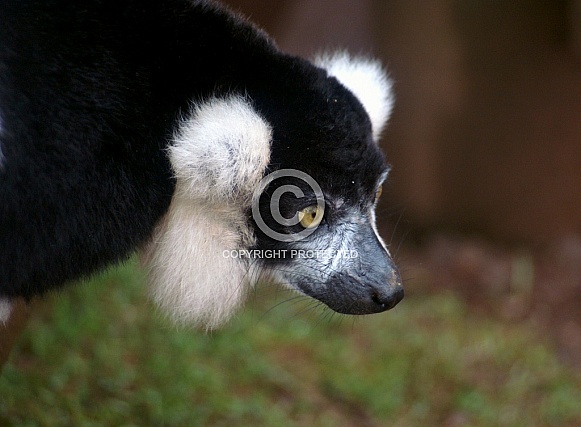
(99, 355)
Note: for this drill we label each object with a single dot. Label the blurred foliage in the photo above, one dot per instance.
(100, 355)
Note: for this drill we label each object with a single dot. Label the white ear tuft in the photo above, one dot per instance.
(219, 155)
(368, 82)
(221, 150)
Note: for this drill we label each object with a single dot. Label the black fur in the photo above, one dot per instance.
(90, 92)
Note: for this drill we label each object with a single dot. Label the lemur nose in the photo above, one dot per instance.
(388, 300)
(389, 296)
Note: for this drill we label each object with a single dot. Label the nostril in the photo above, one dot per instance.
(389, 299)
(376, 299)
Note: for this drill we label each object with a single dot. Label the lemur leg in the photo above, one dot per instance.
(14, 316)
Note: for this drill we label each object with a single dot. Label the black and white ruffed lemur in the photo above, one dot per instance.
(173, 126)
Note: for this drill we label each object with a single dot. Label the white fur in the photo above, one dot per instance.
(219, 155)
(372, 220)
(221, 151)
(191, 278)
(368, 82)
(5, 310)
(372, 217)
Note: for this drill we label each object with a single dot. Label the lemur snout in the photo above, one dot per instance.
(385, 294)
(389, 296)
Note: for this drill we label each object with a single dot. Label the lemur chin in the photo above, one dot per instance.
(179, 128)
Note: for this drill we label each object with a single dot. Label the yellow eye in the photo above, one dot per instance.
(311, 216)
(378, 194)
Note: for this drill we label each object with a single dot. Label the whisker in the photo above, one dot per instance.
(401, 242)
(394, 231)
(312, 306)
(291, 301)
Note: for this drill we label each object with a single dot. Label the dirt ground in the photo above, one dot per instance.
(541, 287)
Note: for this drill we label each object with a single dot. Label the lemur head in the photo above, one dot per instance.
(279, 182)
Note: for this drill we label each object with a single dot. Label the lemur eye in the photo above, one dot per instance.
(378, 194)
(310, 216)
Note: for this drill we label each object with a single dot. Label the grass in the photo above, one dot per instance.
(99, 355)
